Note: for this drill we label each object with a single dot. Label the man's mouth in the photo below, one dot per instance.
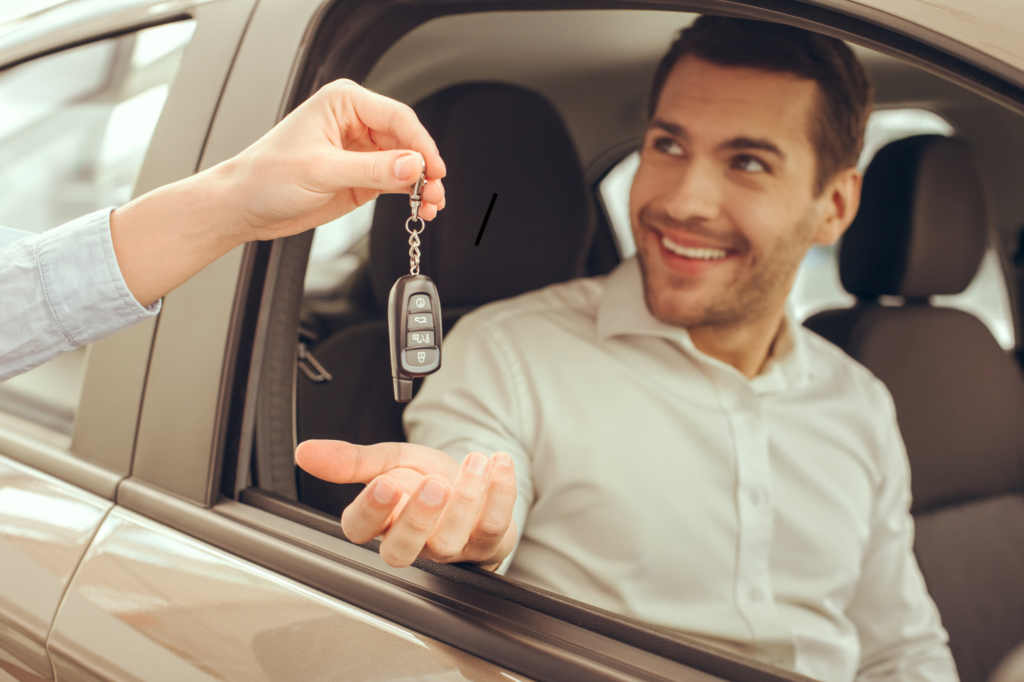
(695, 253)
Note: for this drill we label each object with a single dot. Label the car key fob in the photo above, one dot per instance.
(414, 326)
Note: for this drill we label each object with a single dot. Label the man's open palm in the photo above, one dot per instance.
(420, 500)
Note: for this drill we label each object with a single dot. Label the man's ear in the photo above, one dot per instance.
(839, 204)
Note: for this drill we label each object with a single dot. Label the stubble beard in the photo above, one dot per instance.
(758, 289)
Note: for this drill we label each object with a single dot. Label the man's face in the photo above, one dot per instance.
(723, 206)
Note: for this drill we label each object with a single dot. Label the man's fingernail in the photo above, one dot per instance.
(476, 463)
(384, 492)
(502, 459)
(432, 493)
(408, 167)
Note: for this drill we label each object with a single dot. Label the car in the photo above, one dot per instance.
(152, 522)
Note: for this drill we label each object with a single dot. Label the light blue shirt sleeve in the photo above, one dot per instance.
(59, 290)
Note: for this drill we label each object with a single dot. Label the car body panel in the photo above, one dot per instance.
(46, 526)
(116, 369)
(154, 604)
(993, 28)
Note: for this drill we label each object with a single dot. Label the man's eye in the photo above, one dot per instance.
(667, 145)
(750, 164)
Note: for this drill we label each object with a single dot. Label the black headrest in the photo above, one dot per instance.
(922, 228)
(502, 139)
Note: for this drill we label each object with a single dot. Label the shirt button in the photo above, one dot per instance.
(757, 497)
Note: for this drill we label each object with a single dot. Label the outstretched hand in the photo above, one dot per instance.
(421, 501)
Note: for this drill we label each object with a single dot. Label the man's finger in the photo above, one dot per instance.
(340, 462)
(495, 515)
(370, 513)
(404, 541)
(460, 514)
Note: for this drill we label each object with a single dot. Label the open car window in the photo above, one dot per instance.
(321, 369)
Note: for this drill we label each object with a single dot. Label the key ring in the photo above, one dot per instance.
(415, 201)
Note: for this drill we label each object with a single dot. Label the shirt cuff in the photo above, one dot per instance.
(82, 282)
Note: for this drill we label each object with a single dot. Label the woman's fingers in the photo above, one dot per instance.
(393, 124)
(404, 541)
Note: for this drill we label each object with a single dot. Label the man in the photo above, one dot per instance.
(106, 271)
(684, 452)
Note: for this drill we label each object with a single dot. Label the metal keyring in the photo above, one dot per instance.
(415, 201)
(408, 220)
(414, 245)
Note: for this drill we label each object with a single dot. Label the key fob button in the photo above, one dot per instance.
(419, 339)
(419, 303)
(418, 321)
(421, 358)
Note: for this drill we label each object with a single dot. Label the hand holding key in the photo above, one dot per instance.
(421, 500)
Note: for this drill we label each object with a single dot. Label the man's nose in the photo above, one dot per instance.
(696, 194)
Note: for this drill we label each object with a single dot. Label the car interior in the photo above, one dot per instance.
(543, 109)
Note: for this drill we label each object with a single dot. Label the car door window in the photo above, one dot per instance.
(74, 129)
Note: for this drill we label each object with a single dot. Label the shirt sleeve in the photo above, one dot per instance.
(901, 635)
(473, 404)
(59, 290)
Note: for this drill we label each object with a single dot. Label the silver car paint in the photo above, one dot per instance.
(46, 526)
(153, 604)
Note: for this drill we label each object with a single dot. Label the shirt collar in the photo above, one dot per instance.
(623, 311)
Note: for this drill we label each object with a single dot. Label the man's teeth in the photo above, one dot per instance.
(688, 252)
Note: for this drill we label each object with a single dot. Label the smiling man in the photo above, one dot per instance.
(671, 444)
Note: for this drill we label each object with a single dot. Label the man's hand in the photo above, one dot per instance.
(421, 501)
(338, 150)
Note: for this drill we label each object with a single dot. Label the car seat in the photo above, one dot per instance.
(496, 139)
(922, 230)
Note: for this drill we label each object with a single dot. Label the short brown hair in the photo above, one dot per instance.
(844, 102)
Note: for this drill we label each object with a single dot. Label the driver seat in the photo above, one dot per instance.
(497, 139)
(922, 230)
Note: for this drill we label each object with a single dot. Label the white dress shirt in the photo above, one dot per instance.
(59, 290)
(769, 515)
